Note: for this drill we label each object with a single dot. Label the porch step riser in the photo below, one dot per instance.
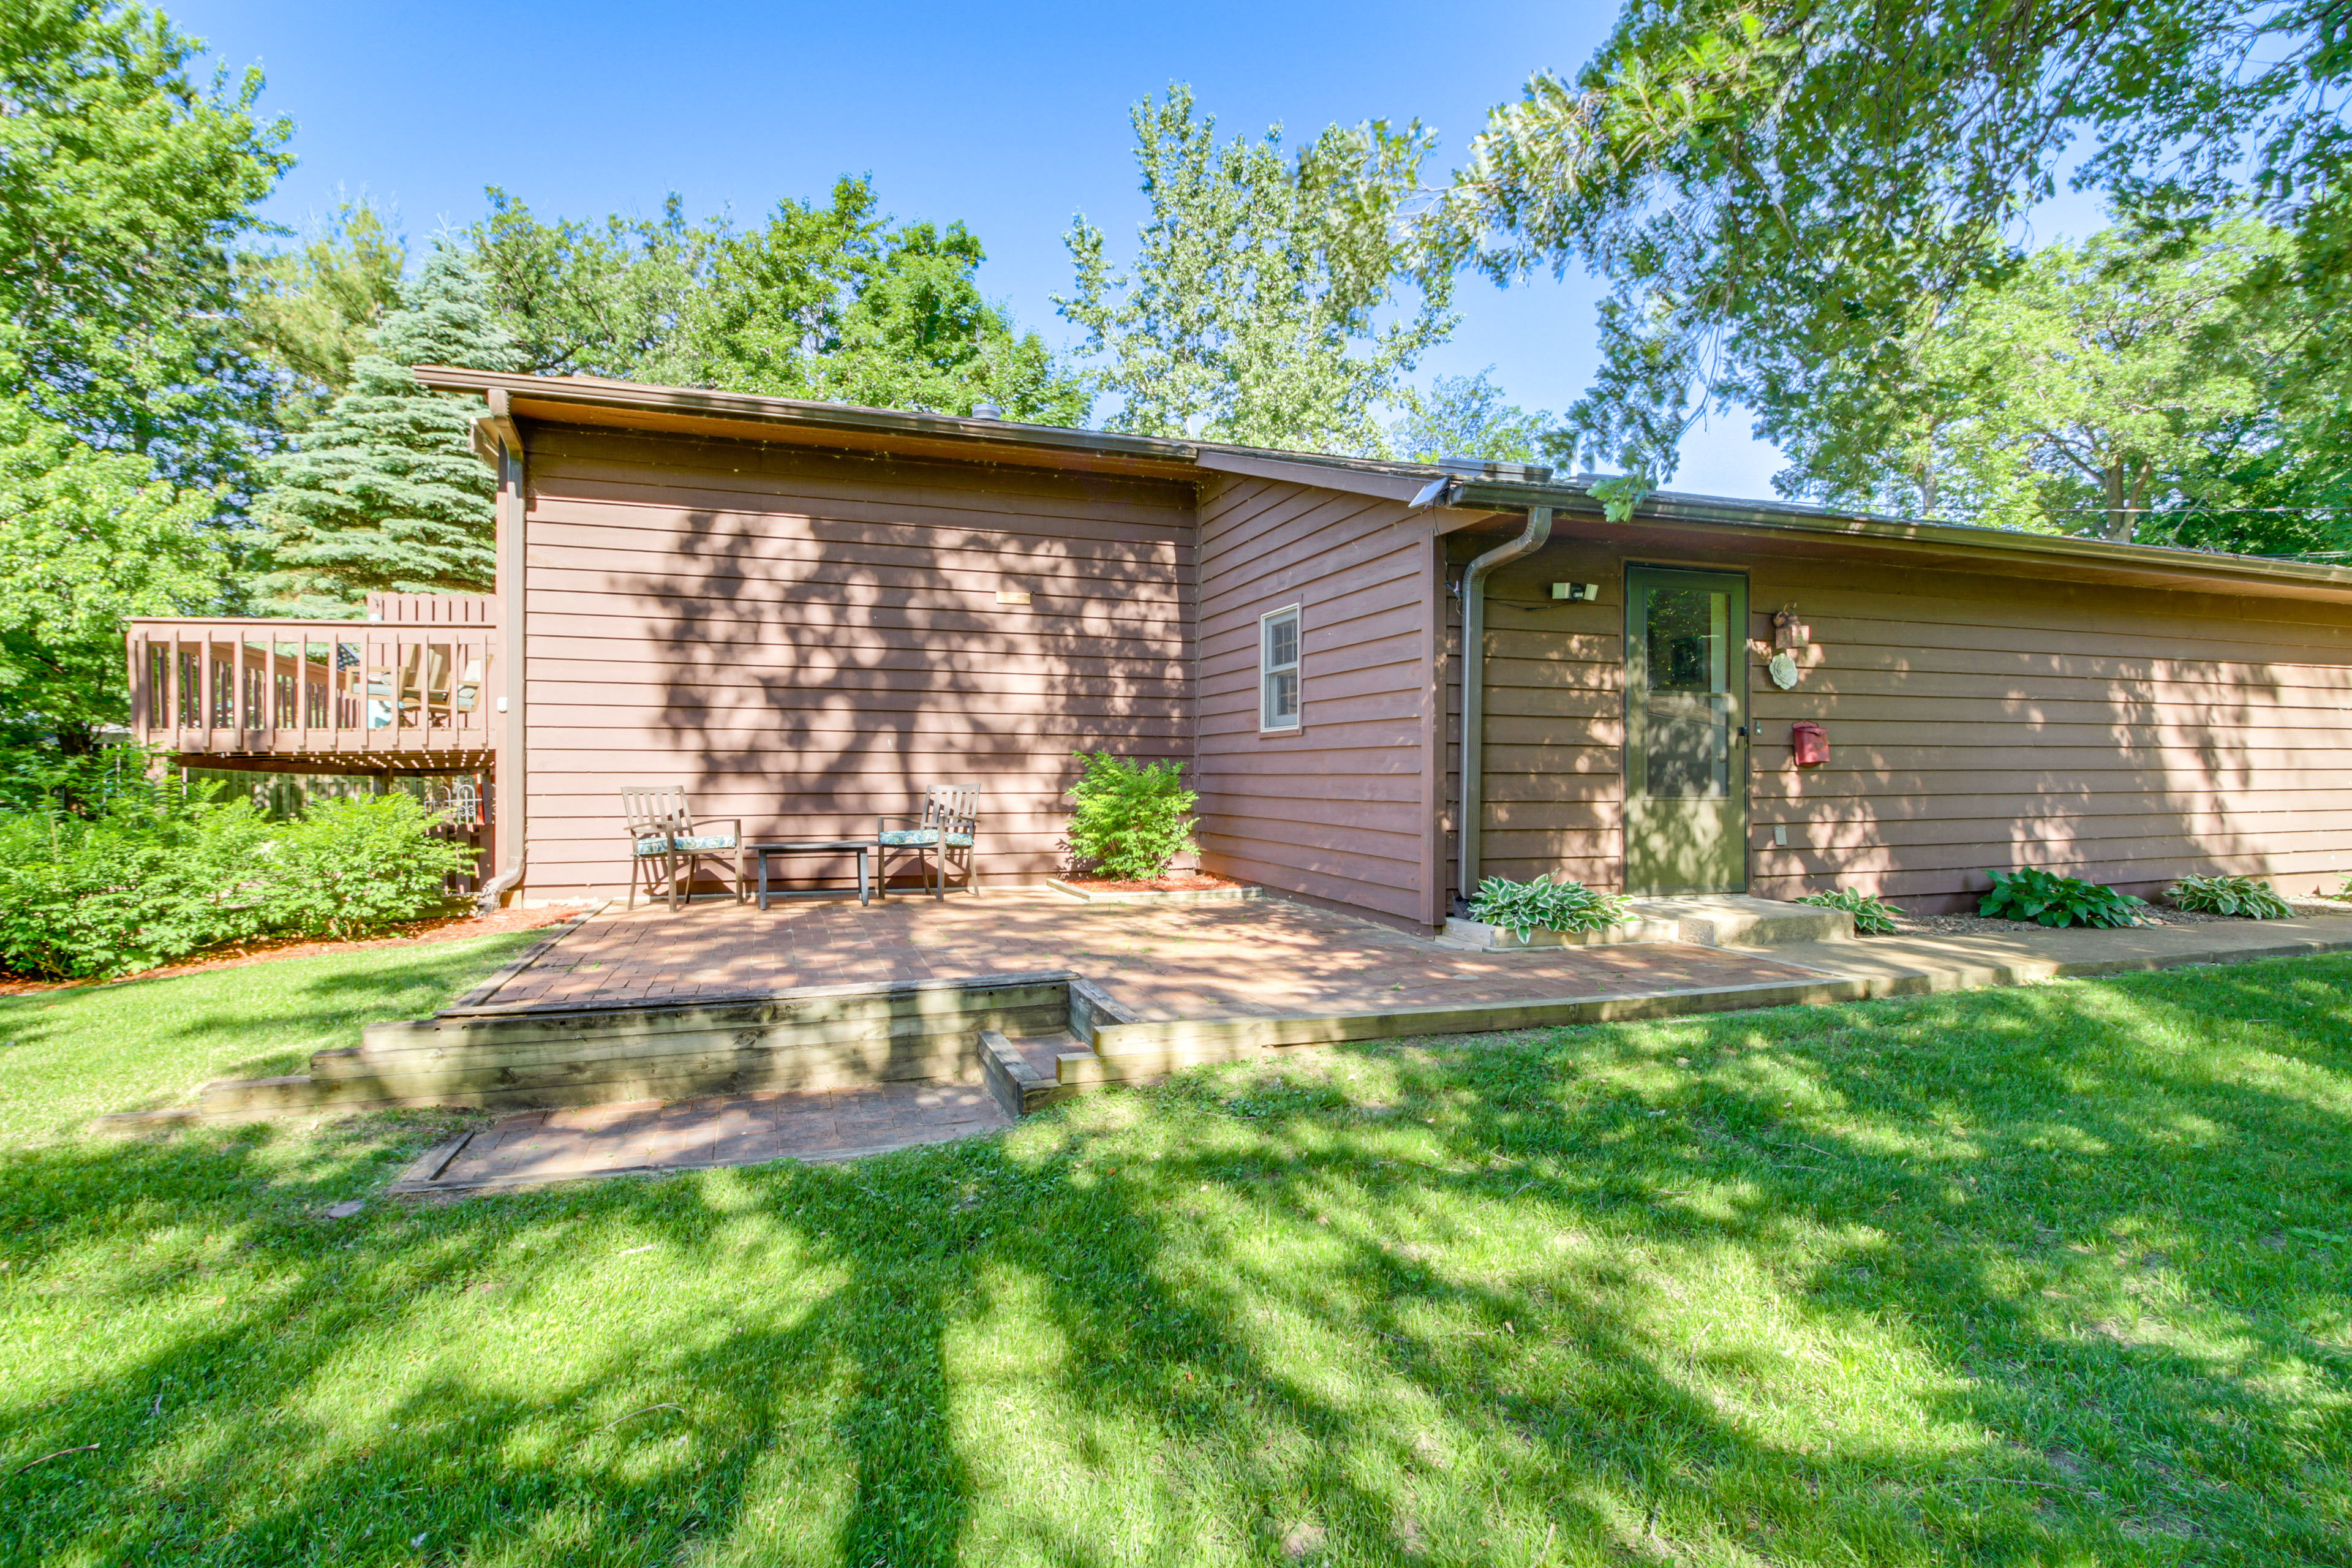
(844, 1039)
(433, 1055)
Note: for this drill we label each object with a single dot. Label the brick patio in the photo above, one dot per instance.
(1256, 958)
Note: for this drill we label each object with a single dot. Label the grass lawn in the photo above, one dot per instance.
(2053, 1275)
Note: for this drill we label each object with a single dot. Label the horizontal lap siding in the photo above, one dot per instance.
(1338, 811)
(1975, 723)
(1555, 787)
(1979, 723)
(805, 640)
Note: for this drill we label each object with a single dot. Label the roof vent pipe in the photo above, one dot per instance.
(1474, 681)
(986, 411)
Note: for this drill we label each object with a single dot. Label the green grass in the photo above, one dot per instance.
(2051, 1275)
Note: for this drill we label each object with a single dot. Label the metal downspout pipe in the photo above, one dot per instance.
(508, 792)
(1473, 680)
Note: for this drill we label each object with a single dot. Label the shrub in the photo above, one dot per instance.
(1544, 904)
(1872, 917)
(149, 879)
(2053, 901)
(347, 865)
(1132, 818)
(2229, 895)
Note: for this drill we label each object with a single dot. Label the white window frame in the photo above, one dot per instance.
(1268, 722)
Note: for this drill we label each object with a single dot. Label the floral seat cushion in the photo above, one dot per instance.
(686, 843)
(918, 837)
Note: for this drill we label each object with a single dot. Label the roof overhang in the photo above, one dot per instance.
(1470, 500)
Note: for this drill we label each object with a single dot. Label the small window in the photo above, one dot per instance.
(1277, 664)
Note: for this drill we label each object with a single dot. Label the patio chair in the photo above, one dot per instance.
(664, 832)
(946, 827)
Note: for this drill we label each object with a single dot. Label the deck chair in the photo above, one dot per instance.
(944, 829)
(664, 833)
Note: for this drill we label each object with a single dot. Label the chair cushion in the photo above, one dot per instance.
(910, 837)
(690, 843)
(960, 840)
(653, 846)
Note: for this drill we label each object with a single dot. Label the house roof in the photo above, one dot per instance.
(1475, 492)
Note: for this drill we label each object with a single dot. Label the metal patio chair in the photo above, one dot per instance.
(946, 827)
(664, 831)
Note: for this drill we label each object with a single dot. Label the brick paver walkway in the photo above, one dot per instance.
(737, 1130)
(1257, 957)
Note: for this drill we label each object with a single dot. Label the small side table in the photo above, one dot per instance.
(861, 847)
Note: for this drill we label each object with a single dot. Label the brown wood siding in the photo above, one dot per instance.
(1976, 722)
(1338, 811)
(806, 638)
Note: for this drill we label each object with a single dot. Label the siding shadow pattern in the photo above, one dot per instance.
(805, 640)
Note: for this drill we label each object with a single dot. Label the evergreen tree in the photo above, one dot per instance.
(384, 493)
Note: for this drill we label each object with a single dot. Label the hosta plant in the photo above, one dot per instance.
(2047, 899)
(1525, 907)
(2244, 896)
(1872, 917)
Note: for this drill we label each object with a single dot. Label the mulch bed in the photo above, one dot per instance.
(441, 927)
(1196, 883)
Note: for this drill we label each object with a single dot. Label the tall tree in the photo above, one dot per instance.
(1253, 310)
(1784, 194)
(835, 303)
(607, 299)
(384, 492)
(125, 184)
(826, 301)
(2091, 390)
(1465, 416)
(87, 539)
(310, 311)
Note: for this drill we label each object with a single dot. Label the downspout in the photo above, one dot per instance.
(1474, 681)
(505, 439)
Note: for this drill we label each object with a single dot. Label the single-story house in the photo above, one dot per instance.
(805, 613)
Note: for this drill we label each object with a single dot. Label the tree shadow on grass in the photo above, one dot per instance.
(1866, 1282)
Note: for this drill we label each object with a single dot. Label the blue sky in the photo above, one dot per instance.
(1010, 118)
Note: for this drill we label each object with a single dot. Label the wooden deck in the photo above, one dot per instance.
(409, 688)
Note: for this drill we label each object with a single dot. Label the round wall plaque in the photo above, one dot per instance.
(1782, 668)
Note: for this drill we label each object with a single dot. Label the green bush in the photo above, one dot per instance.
(1872, 917)
(2229, 895)
(1132, 818)
(1526, 908)
(151, 876)
(148, 879)
(2053, 901)
(345, 865)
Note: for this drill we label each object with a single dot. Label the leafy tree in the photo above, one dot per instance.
(587, 300)
(124, 184)
(1784, 195)
(1252, 312)
(309, 312)
(833, 304)
(1465, 416)
(384, 492)
(829, 303)
(87, 540)
(2093, 390)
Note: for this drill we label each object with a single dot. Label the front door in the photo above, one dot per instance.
(1686, 732)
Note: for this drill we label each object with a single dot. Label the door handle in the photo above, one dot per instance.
(1742, 731)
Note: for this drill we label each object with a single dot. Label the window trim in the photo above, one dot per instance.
(1267, 670)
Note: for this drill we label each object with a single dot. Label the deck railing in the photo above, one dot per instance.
(408, 693)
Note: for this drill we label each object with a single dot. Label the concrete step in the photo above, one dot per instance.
(1704, 919)
(1740, 919)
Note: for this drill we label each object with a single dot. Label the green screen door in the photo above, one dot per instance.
(1686, 732)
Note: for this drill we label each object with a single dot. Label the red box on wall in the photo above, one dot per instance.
(1809, 744)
